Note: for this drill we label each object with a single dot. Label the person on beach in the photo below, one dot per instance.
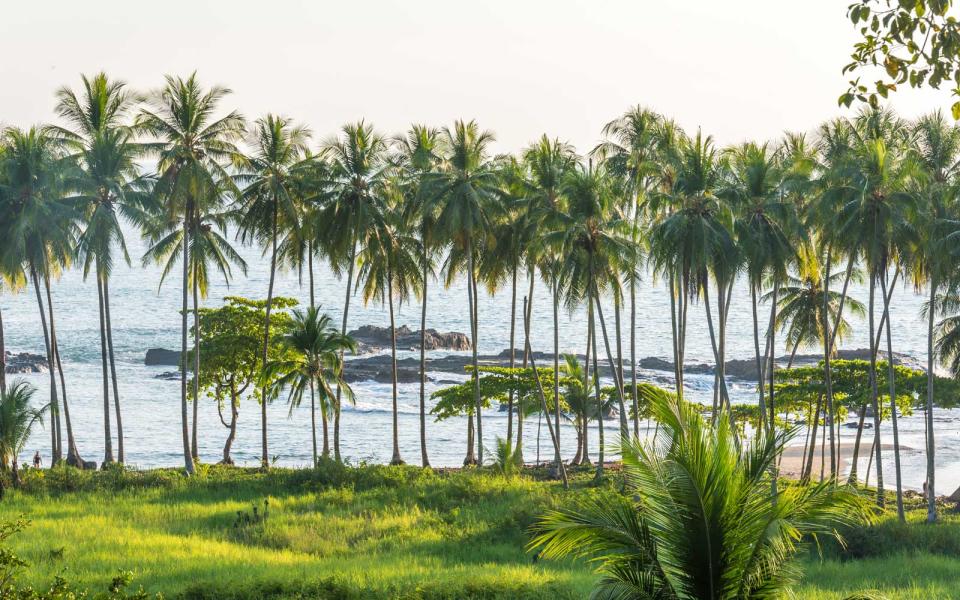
(37, 461)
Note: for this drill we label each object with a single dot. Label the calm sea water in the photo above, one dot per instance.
(145, 315)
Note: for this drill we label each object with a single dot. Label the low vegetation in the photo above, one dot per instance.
(376, 532)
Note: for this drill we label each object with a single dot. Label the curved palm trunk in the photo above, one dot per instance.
(633, 352)
(424, 459)
(931, 449)
(771, 364)
(874, 400)
(761, 380)
(527, 314)
(831, 336)
(808, 467)
(556, 372)
(196, 370)
(313, 422)
(675, 330)
(554, 435)
(624, 428)
(893, 399)
(585, 457)
(265, 457)
(343, 331)
(232, 425)
(107, 437)
(513, 326)
(55, 438)
(720, 380)
(184, 418)
(396, 460)
(472, 291)
(121, 455)
(73, 455)
(3, 358)
(596, 383)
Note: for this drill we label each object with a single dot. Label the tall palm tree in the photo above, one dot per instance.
(17, 420)
(938, 150)
(462, 189)
(417, 154)
(390, 272)
(549, 162)
(874, 222)
(696, 240)
(359, 163)
(193, 147)
(39, 238)
(630, 150)
(108, 185)
(698, 521)
(316, 365)
(270, 204)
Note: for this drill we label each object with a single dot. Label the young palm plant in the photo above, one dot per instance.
(697, 521)
(17, 420)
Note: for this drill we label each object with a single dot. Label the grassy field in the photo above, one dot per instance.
(372, 532)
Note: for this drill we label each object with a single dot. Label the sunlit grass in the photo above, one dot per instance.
(375, 532)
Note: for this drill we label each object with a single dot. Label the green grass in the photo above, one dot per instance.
(374, 532)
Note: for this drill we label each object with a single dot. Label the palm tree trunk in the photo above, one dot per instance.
(874, 395)
(107, 437)
(721, 381)
(772, 365)
(528, 312)
(424, 459)
(624, 427)
(596, 383)
(554, 435)
(184, 418)
(619, 339)
(265, 456)
(808, 467)
(585, 458)
(513, 352)
(194, 451)
(556, 369)
(73, 455)
(931, 464)
(633, 352)
(313, 300)
(55, 439)
(121, 455)
(396, 459)
(891, 376)
(830, 338)
(473, 342)
(343, 331)
(678, 375)
(313, 422)
(3, 358)
(761, 383)
(684, 304)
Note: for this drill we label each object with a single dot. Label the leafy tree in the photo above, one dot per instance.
(231, 370)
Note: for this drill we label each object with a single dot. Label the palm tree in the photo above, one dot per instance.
(938, 149)
(358, 160)
(462, 189)
(696, 239)
(270, 203)
(17, 419)
(548, 162)
(417, 154)
(630, 150)
(193, 149)
(390, 271)
(316, 365)
(676, 536)
(873, 222)
(39, 234)
(101, 140)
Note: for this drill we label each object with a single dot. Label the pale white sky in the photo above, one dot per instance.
(740, 69)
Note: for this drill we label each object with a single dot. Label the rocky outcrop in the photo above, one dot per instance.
(371, 338)
(25, 362)
(162, 356)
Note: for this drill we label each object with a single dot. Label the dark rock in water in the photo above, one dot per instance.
(25, 362)
(658, 364)
(162, 356)
(168, 376)
(371, 338)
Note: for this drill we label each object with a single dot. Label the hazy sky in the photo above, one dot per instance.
(740, 69)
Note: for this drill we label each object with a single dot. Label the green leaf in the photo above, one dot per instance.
(955, 109)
